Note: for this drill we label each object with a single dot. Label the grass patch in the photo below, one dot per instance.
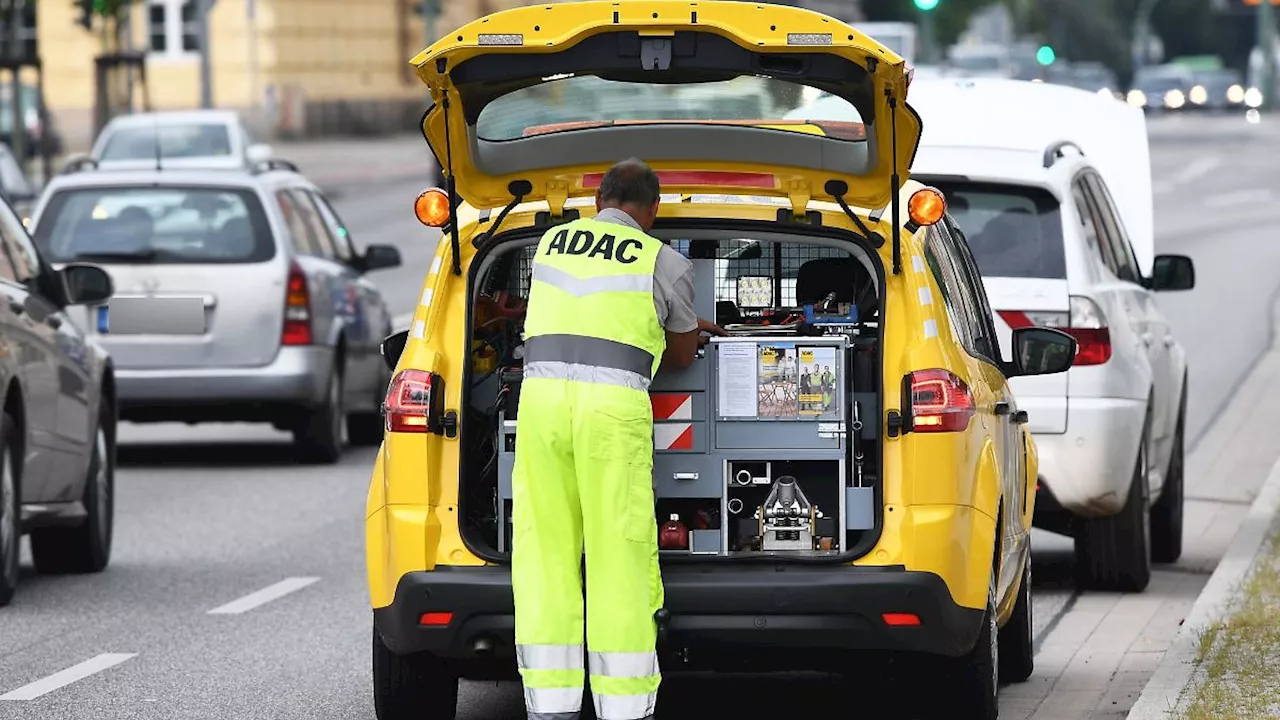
(1238, 658)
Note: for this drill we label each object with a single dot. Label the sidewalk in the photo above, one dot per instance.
(1225, 662)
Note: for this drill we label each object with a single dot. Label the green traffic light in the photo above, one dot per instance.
(1045, 55)
(926, 5)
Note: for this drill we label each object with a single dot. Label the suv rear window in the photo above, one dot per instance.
(158, 225)
(1013, 232)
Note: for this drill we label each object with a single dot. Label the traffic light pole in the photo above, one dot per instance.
(1267, 46)
(928, 41)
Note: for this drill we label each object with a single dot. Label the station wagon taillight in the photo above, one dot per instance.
(940, 401)
(1086, 323)
(297, 309)
(410, 403)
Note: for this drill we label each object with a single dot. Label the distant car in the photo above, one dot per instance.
(14, 185)
(42, 132)
(292, 323)
(58, 417)
(1161, 89)
(181, 139)
(1051, 187)
(1218, 90)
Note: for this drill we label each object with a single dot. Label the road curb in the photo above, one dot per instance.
(1166, 690)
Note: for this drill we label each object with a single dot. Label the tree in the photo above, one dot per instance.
(951, 17)
(111, 15)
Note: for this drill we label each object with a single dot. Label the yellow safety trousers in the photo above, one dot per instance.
(583, 475)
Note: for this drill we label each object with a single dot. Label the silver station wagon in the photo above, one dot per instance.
(291, 326)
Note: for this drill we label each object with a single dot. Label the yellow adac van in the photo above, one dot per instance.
(846, 473)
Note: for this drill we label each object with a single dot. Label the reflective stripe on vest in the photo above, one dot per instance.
(590, 314)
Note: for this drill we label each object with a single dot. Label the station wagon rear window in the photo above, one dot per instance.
(155, 225)
(585, 101)
(1013, 232)
(175, 141)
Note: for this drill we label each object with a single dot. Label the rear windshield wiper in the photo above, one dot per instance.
(147, 255)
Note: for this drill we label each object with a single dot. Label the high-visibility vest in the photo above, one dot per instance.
(591, 305)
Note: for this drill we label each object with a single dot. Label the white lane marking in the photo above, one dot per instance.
(1238, 197)
(264, 596)
(1197, 169)
(401, 322)
(63, 678)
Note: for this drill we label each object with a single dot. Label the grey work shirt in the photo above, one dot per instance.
(672, 280)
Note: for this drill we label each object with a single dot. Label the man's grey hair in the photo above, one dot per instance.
(630, 182)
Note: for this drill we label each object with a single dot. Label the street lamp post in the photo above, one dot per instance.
(1266, 45)
(1142, 32)
(206, 71)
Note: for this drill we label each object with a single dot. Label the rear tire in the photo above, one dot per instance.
(85, 548)
(412, 687)
(321, 438)
(976, 693)
(10, 505)
(1114, 553)
(1166, 513)
(1017, 655)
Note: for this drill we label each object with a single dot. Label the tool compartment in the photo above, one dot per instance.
(766, 446)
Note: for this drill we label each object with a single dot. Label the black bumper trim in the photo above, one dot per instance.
(781, 607)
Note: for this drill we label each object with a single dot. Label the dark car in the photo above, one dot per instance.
(57, 414)
(1217, 90)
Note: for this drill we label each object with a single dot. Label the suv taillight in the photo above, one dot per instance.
(1086, 323)
(411, 400)
(940, 401)
(297, 309)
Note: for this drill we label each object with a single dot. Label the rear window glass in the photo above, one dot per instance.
(753, 277)
(166, 225)
(176, 141)
(580, 102)
(1012, 232)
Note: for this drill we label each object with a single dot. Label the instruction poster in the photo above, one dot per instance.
(818, 383)
(736, 382)
(777, 389)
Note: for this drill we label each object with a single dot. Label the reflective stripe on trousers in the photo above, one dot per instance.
(564, 703)
(581, 287)
(587, 359)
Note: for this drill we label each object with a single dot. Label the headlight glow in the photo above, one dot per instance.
(1137, 98)
(1235, 94)
(1253, 97)
(1198, 95)
(1174, 99)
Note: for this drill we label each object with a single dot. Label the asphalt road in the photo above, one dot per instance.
(208, 518)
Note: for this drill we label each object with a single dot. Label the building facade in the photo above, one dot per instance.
(293, 67)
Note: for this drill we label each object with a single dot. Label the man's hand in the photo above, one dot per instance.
(711, 329)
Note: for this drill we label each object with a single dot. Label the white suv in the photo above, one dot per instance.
(1051, 186)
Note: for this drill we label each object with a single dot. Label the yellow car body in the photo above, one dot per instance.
(955, 490)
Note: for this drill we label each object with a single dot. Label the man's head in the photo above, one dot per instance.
(631, 187)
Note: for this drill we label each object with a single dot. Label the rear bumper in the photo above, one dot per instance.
(296, 377)
(1090, 466)
(773, 609)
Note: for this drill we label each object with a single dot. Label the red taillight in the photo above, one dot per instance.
(297, 309)
(436, 619)
(940, 401)
(900, 619)
(409, 402)
(1085, 323)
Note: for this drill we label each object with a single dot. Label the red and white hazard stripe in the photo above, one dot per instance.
(671, 406)
(673, 436)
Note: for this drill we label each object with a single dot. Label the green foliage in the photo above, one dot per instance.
(105, 8)
(951, 17)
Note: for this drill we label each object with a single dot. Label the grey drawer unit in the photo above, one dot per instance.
(689, 475)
